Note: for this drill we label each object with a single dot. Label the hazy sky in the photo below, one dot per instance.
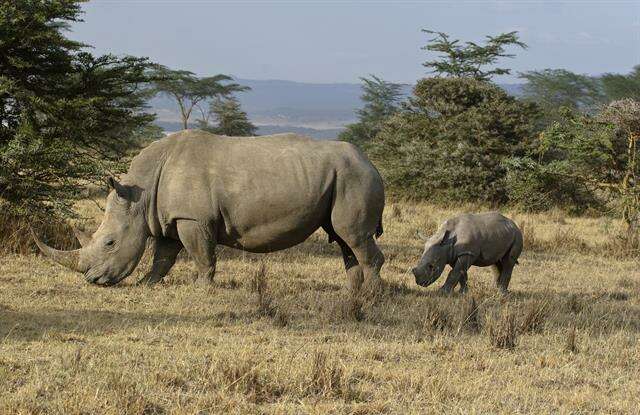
(338, 41)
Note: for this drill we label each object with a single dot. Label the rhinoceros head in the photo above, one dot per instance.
(114, 250)
(437, 251)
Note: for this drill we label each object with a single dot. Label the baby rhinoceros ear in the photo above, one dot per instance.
(447, 238)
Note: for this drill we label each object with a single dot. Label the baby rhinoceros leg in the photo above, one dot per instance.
(458, 274)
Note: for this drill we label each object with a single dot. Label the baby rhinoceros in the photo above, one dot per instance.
(471, 239)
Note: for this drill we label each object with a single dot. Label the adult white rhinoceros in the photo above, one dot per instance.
(195, 190)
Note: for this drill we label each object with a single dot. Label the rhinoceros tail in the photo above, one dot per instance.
(379, 229)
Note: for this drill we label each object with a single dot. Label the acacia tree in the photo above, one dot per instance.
(191, 92)
(229, 118)
(381, 100)
(618, 86)
(468, 60)
(66, 116)
(555, 88)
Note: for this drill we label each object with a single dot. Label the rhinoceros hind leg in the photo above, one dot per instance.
(351, 264)
(371, 260)
(164, 256)
(505, 274)
(201, 246)
(507, 263)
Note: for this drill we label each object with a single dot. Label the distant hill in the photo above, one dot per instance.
(317, 110)
(324, 134)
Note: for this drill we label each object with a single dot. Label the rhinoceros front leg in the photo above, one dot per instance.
(164, 256)
(201, 245)
(458, 274)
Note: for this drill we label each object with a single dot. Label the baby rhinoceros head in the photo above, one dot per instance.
(437, 253)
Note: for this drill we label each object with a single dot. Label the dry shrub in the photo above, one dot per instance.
(563, 240)
(530, 241)
(230, 284)
(469, 320)
(281, 317)
(558, 216)
(627, 283)
(396, 213)
(535, 315)
(573, 304)
(15, 234)
(258, 285)
(502, 328)
(244, 376)
(618, 296)
(435, 319)
(327, 377)
(258, 280)
(621, 246)
(566, 240)
(571, 345)
(351, 308)
(267, 306)
(126, 395)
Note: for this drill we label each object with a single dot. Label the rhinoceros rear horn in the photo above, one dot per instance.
(83, 237)
(69, 259)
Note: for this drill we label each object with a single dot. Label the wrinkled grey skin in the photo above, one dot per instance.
(481, 240)
(196, 190)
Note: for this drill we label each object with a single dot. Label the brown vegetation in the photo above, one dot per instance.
(279, 333)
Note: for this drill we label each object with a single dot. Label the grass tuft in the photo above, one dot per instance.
(470, 320)
(535, 315)
(571, 344)
(502, 329)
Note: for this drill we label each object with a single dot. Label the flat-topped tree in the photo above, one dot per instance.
(190, 91)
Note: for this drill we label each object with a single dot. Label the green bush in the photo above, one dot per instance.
(535, 187)
(450, 142)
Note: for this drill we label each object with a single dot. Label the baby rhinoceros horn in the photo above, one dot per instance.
(69, 259)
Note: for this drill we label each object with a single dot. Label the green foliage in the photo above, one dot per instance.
(618, 87)
(590, 158)
(556, 88)
(66, 116)
(381, 100)
(191, 92)
(450, 141)
(536, 187)
(230, 120)
(470, 59)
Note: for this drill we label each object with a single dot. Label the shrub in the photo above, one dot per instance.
(536, 187)
(449, 143)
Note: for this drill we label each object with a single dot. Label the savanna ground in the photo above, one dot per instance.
(279, 333)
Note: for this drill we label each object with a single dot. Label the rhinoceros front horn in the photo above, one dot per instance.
(69, 259)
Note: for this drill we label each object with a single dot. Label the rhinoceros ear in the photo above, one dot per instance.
(115, 185)
(448, 238)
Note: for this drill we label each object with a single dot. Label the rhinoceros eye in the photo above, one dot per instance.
(110, 242)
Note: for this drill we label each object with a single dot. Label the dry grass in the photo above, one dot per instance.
(279, 333)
